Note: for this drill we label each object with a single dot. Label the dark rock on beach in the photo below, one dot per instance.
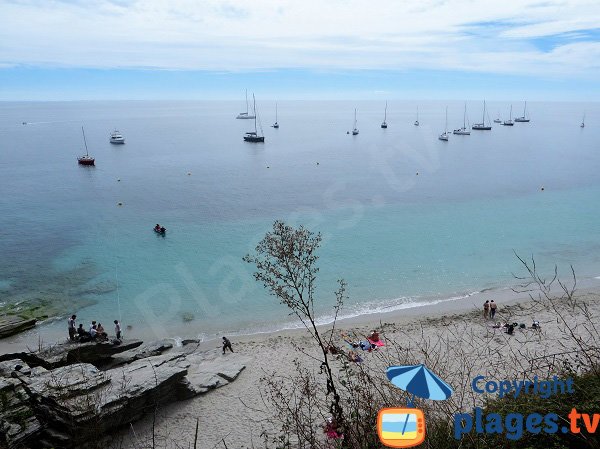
(63, 398)
(13, 325)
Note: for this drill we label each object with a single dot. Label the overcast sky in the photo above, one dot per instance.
(207, 48)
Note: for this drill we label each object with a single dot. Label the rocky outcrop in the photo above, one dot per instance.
(18, 424)
(64, 404)
(11, 325)
(68, 353)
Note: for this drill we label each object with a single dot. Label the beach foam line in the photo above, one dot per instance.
(369, 308)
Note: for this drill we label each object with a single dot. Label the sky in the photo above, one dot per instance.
(339, 49)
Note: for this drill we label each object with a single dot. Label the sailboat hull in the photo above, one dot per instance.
(86, 161)
(384, 125)
(522, 120)
(481, 128)
(254, 138)
(461, 132)
(245, 116)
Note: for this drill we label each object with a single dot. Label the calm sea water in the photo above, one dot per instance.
(406, 218)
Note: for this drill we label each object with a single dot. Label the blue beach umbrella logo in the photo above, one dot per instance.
(419, 381)
(405, 427)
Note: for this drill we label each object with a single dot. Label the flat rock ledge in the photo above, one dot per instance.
(63, 398)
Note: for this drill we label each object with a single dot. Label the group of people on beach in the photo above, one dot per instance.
(489, 309)
(96, 331)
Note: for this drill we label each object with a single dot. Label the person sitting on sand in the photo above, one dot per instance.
(535, 325)
(101, 333)
(333, 350)
(486, 310)
(374, 336)
(93, 324)
(510, 330)
(354, 357)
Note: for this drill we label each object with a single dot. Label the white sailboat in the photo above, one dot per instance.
(497, 120)
(246, 115)
(275, 125)
(523, 119)
(508, 122)
(482, 126)
(417, 120)
(253, 136)
(444, 135)
(355, 130)
(384, 123)
(463, 131)
(582, 121)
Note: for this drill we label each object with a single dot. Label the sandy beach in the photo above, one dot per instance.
(237, 415)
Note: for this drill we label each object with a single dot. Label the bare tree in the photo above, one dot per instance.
(285, 261)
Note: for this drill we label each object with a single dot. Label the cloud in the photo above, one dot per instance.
(520, 37)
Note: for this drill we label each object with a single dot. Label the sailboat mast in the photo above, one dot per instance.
(446, 130)
(483, 118)
(524, 109)
(84, 141)
(510, 116)
(254, 113)
(247, 101)
(465, 117)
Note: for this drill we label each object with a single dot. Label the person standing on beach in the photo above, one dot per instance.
(72, 330)
(226, 345)
(493, 307)
(117, 329)
(486, 310)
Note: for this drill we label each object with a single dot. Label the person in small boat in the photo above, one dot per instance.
(157, 228)
(162, 229)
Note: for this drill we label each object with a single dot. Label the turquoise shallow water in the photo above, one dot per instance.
(399, 238)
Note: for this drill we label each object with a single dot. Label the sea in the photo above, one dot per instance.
(405, 218)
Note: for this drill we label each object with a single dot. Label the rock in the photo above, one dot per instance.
(8, 366)
(206, 374)
(84, 402)
(190, 341)
(154, 348)
(19, 427)
(13, 325)
(149, 350)
(72, 352)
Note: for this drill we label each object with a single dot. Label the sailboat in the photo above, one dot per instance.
(87, 159)
(482, 126)
(582, 122)
(508, 122)
(355, 130)
(417, 120)
(245, 115)
(384, 123)
(275, 125)
(523, 119)
(463, 131)
(252, 136)
(497, 120)
(444, 136)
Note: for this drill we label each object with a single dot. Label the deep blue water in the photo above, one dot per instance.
(396, 236)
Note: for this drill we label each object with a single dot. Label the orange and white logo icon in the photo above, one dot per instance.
(401, 427)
